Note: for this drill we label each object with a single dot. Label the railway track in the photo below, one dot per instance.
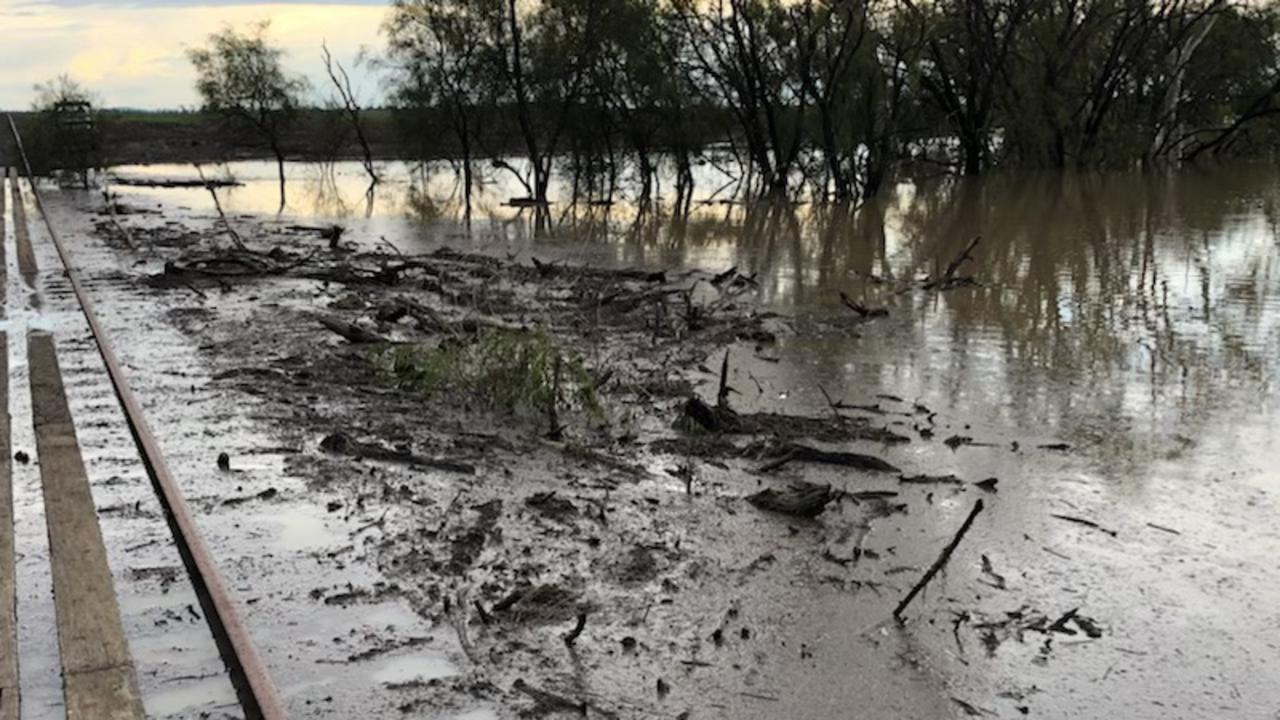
(99, 679)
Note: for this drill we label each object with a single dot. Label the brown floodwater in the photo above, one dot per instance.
(1134, 317)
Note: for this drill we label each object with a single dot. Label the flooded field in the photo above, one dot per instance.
(1112, 363)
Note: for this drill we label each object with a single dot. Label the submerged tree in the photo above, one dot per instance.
(350, 106)
(438, 54)
(241, 77)
(834, 97)
(754, 58)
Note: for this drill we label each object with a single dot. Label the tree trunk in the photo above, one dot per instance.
(275, 147)
(973, 152)
(464, 137)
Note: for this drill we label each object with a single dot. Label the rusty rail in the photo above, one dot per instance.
(249, 675)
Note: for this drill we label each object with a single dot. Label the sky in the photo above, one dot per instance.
(132, 54)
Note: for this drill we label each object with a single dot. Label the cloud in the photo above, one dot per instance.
(133, 54)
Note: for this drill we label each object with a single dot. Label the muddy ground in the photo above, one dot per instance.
(665, 542)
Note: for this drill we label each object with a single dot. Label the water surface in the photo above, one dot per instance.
(1134, 317)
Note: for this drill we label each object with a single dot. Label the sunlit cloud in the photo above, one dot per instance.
(133, 54)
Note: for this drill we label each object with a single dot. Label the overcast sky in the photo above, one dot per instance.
(132, 53)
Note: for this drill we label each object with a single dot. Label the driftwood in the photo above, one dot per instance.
(579, 626)
(343, 444)
(1086, 523)
(332, 233)
(802, 499)
(930, 480)
(353, 333)
(426, 318)
(170, 182)
(804, 453)
(939, 563)
(546, 701)
(949, 278)
(861, 308)
(699, 415)
(212, 187)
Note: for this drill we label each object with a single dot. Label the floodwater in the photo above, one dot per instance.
(1134, 317)
(1112, 305)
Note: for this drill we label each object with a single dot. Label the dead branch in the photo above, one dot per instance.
(965, 256)
(939, 563)
(805, 453)
(861, 308)
(949, 278)
(573, 634)
(226, 225)
(1086, 523)
(722, 397)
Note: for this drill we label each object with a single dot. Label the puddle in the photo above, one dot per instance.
(300, 529)
(416, 667)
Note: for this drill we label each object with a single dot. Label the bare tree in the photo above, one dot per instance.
(439, 51)
(754, 57)
(969, 47)
(241, 77)
(351, 106)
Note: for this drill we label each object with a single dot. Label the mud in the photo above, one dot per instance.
(696, 601)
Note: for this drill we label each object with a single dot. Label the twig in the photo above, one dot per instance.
(1086, 523)
(382, 519)
(572, 637)
(235, 236)
(389, 244)
(939, 563)
(964, 256)
(835, 406)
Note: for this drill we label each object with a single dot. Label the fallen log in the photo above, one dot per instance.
(343, 444)
(426, 318)
(802, 499)
(861, 308)
(805, 453)
(939, 563)
(353, 333)
(930, 480)
(170, 182)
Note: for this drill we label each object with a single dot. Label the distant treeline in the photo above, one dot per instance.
(832, 97)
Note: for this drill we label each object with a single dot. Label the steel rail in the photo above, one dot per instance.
(249, 674)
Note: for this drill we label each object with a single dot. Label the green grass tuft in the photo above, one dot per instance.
(506, 370)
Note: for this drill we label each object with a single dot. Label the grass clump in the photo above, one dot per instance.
(507, 370)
